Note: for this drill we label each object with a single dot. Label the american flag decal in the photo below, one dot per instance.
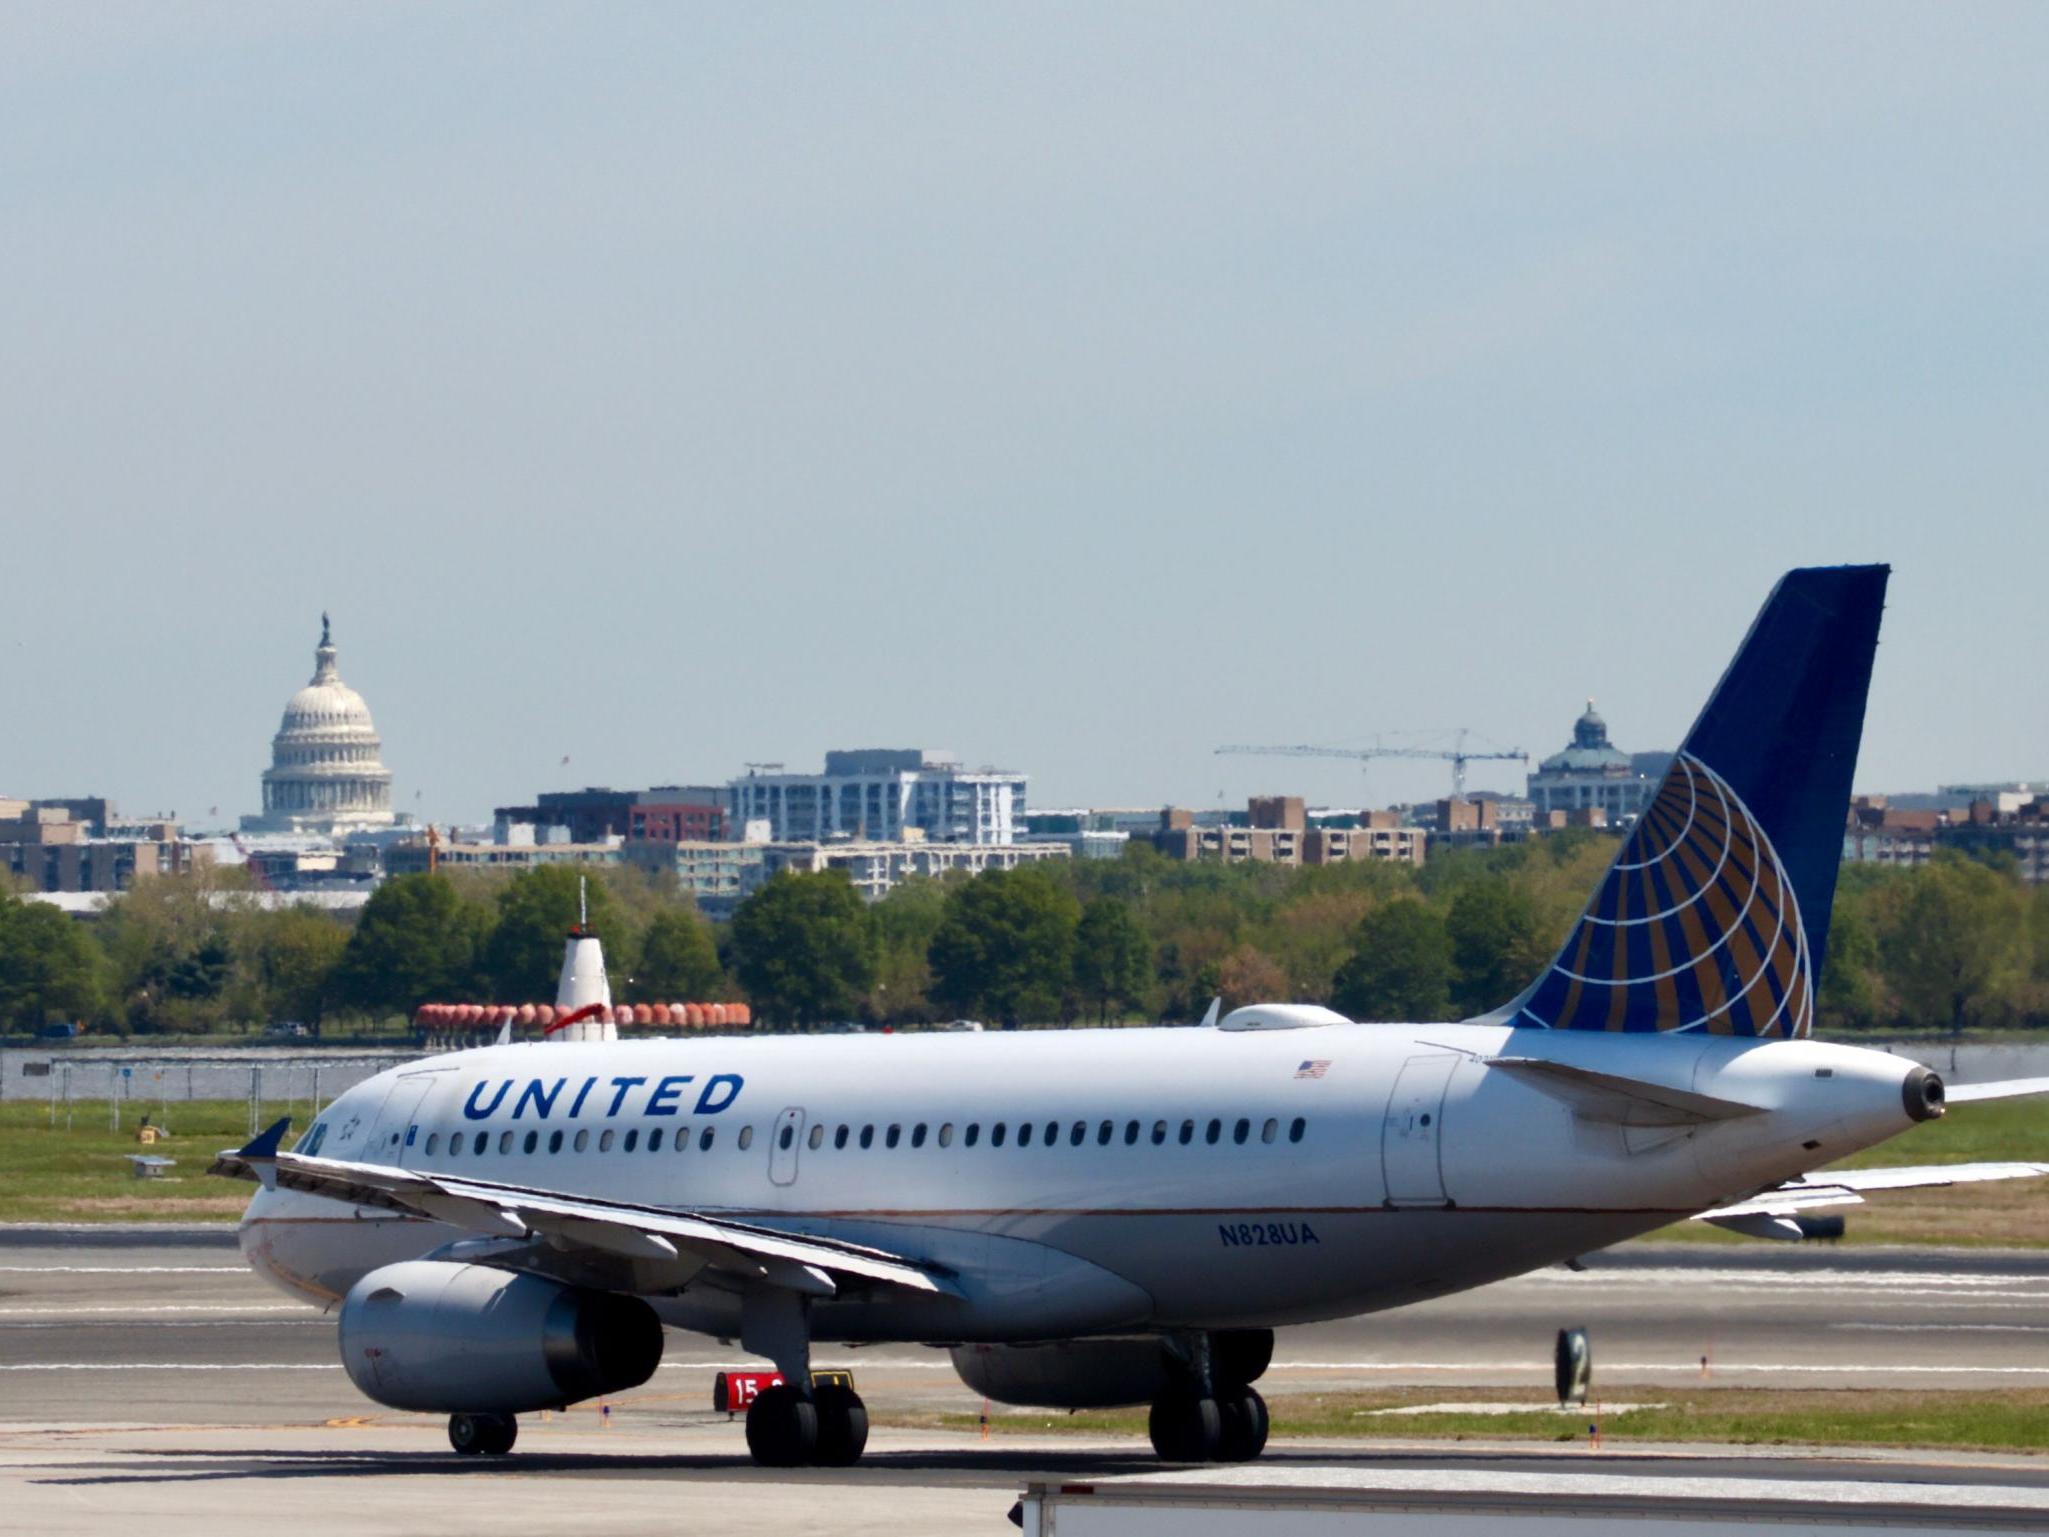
(1311, 1069)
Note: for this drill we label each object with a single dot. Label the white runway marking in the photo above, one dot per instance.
(1951, 1328)
(128, 1270)
(127, 1310)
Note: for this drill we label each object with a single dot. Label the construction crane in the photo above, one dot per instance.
(1456, 756)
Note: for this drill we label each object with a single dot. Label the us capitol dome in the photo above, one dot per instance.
(326, 773)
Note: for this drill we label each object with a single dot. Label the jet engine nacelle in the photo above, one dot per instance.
(453, 1338)
(1106, 1373)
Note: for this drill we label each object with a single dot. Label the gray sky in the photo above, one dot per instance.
(1075, 387)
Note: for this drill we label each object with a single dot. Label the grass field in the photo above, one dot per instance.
(78, 1173)
(2014, 1420)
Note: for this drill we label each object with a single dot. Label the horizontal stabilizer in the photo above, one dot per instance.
(2012, 1088)
(1616, 1100)
(1771, 1214)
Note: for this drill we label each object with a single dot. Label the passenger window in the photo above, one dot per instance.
(1024, 1134)
(785, 1137)
(893, 1136)
(505, 1142)
(1130, 1133)
(483, 1141)
(654, 1140)
(433, 1143)
(683, 1139)
(1104, 1132)
(1187, 1132)
(533, 1140)
(1078, 1134)
(1266, 1132)
(867, 1137)
(817, 1138)
(1052, 1133)
(974, 1133)
(918, 1135)
(1295, 1129)
(583, 1140)
(1159, 1132)
(632, 1138)
(839, 1138)
(996, 1135)
(1216, 1130)
(946, 1134)
(554, 1141)
(1241, 1131)
(605, 1140)
(705, 1138)
(746, 1138)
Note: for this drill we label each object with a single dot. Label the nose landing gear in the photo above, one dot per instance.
(486, 1435)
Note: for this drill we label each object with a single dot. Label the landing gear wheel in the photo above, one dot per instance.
(1186, 1428)
(782, 1428)
(1245, 1426)
(842, 1426)
(487, 1435)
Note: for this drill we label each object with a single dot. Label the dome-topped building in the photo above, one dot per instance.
(326, 773)
(1594, 773)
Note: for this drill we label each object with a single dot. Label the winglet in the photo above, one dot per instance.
(1216, 1008)
(260, 1152)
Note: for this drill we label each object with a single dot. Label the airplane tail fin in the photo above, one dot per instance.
(1715, 914)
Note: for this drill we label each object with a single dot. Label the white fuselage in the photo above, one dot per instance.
(1170, 1177)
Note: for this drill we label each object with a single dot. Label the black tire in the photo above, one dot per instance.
(842, 1426)
(1245, 1426)
(1186, 1428)
(466, 1434)
(501, 1430)
(782, 1428)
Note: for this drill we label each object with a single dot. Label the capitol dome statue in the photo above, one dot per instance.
(326, 771)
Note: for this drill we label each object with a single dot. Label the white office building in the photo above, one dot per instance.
(881, 795)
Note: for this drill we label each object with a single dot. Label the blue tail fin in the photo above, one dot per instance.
(1715, 914)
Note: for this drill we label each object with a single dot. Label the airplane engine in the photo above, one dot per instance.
(1104, 1373)
(431, 1335)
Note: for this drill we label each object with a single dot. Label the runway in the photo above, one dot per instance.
(152, 1375)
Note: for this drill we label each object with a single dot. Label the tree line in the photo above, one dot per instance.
(1958, 945)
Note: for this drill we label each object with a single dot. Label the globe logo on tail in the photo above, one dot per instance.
(1695, 927)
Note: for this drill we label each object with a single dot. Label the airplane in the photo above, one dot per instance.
(1124, 1216)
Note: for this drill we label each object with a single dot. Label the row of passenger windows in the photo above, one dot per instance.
(1052, 1134)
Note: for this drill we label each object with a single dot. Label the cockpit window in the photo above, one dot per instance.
(310, 1143)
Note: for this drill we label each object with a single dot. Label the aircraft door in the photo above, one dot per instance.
(1409, 1137)
(398, 1135)
(783, 1144)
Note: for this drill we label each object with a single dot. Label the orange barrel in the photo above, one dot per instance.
(544, 1014)
(716, 1013)
(526, 1014)
(693, 1015)
(643, 1015)
(746, 1013)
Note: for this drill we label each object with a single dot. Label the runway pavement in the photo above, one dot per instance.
(151, 1375)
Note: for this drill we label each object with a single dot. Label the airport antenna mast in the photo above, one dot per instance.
(1456, 756)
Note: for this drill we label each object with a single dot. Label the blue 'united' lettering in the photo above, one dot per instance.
(470, 1107)
(542, 1100)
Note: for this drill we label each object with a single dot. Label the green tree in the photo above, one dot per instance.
(48, 966)
(522, 960)
(679, 962)
(1249, 975)
(804, 946)
(1497, 947)
(293, 955)
(1956, 950)
(905, 922)
(1400, 969)
(1006, 945)
(1113, 959)
(170, 958)
(416, 940)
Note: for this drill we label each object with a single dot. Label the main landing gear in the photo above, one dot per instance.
(1212, 1413)
(482, 1435)
(797, 1425)
(829, 1429)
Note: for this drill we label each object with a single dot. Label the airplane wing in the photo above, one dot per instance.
(1774, 1213)
(681, 1244)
